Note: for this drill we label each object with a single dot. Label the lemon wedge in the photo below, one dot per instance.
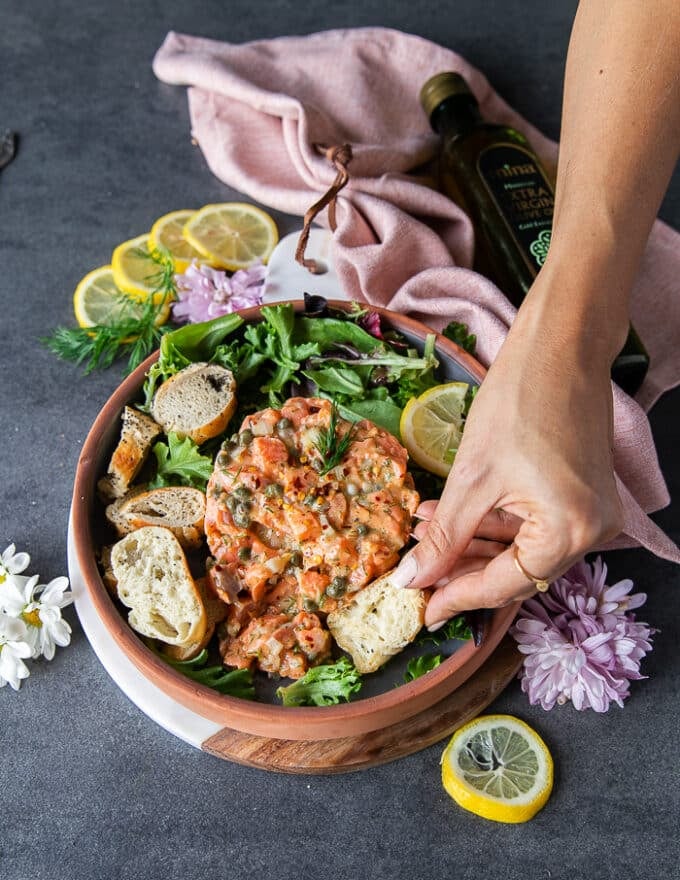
(431, 426)
(134, 270)
(167, 235)
(232, 235)
(499, 768)
(98, 301)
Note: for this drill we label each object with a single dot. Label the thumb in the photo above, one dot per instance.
(447, 535)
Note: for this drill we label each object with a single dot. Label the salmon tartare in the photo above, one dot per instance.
(293, 529)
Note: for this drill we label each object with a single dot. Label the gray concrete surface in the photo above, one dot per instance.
(89, 786)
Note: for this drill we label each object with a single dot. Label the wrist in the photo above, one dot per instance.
(579, 310)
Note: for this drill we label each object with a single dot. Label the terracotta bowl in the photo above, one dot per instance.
(384, 704)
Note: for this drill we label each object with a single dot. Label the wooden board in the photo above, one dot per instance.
(347, 754)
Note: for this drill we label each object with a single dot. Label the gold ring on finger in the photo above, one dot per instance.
(541, 584)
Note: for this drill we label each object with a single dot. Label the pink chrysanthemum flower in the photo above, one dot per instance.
(580, 640)
(205, 293)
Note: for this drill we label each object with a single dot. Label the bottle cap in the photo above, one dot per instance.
(440, 87)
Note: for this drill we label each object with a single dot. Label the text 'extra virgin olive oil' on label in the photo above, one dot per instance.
(523, 197)
(491, 171)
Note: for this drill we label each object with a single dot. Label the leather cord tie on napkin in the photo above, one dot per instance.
(339, 157)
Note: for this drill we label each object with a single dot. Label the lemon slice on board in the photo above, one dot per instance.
(167, 235)
(134, 271)
(431, 426)
(499, 768)
(232, 235)
(97, 300)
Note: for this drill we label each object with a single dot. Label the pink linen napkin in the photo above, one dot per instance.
(259, 110)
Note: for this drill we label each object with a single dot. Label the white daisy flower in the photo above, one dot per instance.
(13, 651)
(12, 563)
(45, 627)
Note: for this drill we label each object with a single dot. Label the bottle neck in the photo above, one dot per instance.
(456, 115)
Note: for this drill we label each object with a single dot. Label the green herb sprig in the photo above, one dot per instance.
(459, 333)
(331, 446)
(234, 682)
(136, 335)
(456, 628)
(418, 666)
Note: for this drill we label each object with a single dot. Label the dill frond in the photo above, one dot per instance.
(136, 336)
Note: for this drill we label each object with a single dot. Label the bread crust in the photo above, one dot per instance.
(138, 432)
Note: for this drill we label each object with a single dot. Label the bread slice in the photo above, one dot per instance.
(215, 610)
(197, 402)
(377, 622)
(155, 583)
(178, 508)
(137, 434)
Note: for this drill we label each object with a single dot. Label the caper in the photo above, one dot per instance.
(244, 554)
(309, 605)
(296, 559)
(222, 460)
(245, 437)
(337, 587)
(284, 425)
(362, 529)
(232, 503)
(274, 490)
(241, 516)
(242, 492)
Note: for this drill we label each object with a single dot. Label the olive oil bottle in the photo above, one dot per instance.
(492, 172)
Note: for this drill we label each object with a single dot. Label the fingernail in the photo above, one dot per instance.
(435, 626)
(405, 572)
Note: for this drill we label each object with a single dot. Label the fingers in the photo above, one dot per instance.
(444, 538)
(496, 525)
(476, 547)
(494, 585)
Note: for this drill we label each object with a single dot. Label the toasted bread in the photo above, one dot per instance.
(178, 508)
(215, 610)
(197, 402)
(137, 434)
(154, 581)
(377, 622)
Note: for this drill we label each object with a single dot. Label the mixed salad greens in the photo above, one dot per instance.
(365, 369)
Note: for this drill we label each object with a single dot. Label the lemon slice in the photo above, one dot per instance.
(232, 235)
(431, 426)
(134, 271)
(97, 300)
(498, 767)
(167, 235)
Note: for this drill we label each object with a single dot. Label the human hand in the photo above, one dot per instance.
(534, 467)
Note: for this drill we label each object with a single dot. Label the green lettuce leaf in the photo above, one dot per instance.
(322, 685)
(179, 463)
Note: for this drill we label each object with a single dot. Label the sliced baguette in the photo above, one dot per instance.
(155, 583)
(138, 432)
(377, 622)
(215, 611)
(178, 508)
(197, 402)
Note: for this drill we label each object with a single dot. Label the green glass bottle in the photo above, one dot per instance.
(492, 172)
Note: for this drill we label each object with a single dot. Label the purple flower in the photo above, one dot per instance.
(580, 640)
(205, 293)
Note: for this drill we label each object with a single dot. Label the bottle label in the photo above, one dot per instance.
(523, 196)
